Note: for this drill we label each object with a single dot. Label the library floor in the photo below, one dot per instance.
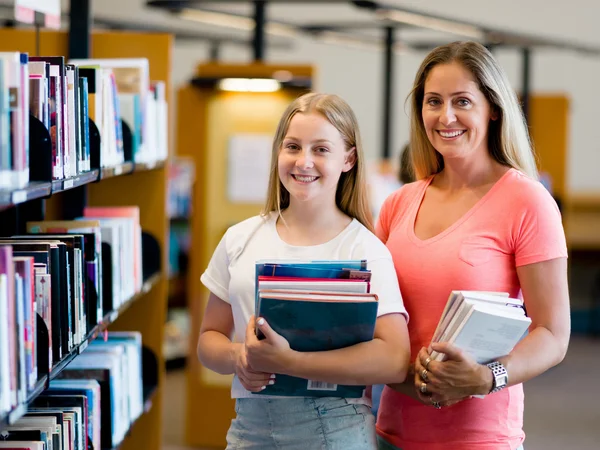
(562, 407)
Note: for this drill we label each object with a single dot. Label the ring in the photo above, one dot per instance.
(436, 405)
(427, 361)
(423, 388)
(424, 375)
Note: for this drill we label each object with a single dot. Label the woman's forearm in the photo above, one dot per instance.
(373, 362)
(537, 352)
(216, 352)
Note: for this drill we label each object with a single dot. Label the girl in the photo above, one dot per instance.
(316, 209)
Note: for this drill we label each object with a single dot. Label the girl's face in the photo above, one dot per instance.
(312, 158)
(455, 112)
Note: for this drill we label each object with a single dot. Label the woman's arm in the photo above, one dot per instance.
(546, 295)
(384, 359)
(218, 353)
(545, 292)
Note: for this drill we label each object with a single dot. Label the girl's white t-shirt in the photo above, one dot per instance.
(231, 272)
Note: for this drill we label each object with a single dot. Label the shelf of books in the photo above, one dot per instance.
(217, 116)
(83, 240)
(179, 210)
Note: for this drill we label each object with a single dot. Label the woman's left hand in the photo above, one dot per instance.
(456, 378)
(271, 354)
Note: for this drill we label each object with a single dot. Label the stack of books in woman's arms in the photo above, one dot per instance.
(486, 325)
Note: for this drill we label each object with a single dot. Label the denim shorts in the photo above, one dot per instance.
(301, 424)
(385, 445)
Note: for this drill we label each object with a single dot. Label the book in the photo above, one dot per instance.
(316, 306)
(486, 325)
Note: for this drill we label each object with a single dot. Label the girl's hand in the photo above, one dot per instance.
(271, 354)
(251, 380)
(455, 379)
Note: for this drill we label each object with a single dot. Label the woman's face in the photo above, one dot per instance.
(455, 112)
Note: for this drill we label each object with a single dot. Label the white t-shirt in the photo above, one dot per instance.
(231, 272)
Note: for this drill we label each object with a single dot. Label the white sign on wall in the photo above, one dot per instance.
(25, 11)
(249, 161)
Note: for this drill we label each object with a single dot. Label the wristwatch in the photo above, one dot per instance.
(500, 376)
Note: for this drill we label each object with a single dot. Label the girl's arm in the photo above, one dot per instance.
(218, 353)
(385, 359)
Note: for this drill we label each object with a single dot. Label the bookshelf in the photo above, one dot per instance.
(129, 184)
(214, 115)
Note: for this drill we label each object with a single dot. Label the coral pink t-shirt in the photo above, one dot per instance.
(516, 223)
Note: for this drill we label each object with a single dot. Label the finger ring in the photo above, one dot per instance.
(423, 388)
(427, 361)
(436, 405)
(424, 375)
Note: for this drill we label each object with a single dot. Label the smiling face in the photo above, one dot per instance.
(456, 114)
(312, 158)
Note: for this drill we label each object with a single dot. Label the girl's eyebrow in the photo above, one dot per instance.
(292, 138)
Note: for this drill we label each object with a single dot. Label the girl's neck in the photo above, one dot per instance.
(311, 224)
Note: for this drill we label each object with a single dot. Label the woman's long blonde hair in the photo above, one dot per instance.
(351, 195)
(508, 138)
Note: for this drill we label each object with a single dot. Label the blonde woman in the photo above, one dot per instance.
(476, 219)
(316, 209)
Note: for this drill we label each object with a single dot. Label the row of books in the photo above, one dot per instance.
(95, 399)
(71, 274)
(181, 181)
(326, 305)
(63, 96)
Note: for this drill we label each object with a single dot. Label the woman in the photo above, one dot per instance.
(476, 219)
(316, 210)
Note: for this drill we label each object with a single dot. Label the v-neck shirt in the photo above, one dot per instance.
(517, 222)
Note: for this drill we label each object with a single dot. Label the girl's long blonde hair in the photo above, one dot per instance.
(351, 195)
(508, 138)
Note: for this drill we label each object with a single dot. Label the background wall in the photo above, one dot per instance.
(356, 74)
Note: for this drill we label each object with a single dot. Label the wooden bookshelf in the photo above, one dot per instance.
(141, 185)
(206, 117)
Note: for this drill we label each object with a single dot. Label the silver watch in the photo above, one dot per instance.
(500, 376)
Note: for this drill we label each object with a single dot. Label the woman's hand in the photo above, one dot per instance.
(411, 388)
(252, 380)
(271, 354)
(453, 380)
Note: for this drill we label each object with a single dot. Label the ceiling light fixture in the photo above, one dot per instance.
(249, 85)
(423, 21)
(235, 22)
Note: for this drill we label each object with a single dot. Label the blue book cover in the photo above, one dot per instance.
(310, 325)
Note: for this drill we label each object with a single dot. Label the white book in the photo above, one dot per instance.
(360, 287)
(20, 339)
(456, 298)
(31, 445)
(485, 331)
(5, 404)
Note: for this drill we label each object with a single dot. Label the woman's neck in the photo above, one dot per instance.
(468, 173)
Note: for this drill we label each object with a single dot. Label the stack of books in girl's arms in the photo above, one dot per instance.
(316, 306)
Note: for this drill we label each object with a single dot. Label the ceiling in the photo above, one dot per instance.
(364, 20)
(576, 30)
